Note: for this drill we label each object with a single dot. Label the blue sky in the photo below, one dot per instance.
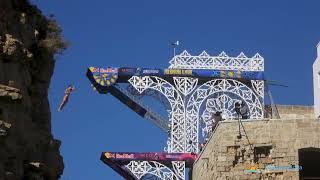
(137, 33)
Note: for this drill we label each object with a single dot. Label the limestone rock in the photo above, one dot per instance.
(28, 149)
(11, 45)
(275, 149)
(10, 94)
(4, 128)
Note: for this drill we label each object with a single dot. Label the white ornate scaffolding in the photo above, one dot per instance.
(142, 169)
(192, 104)
(220, 62)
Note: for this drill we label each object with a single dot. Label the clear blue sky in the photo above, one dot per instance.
(137, 33)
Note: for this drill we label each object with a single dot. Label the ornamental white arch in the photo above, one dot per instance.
(223, 103)
(141, 169)
(186, 100)
(227, 91)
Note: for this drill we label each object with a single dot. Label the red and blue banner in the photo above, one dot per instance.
(110, 75)
(118, 160)
(189, 158)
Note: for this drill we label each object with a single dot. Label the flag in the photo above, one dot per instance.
(175, 43)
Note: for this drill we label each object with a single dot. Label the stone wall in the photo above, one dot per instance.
(28, 42)
(316, 83)
(272, 142)
(295, 112)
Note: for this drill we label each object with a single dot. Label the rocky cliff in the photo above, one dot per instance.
(28, 43)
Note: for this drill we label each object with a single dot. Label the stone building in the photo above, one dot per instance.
(268, 149)
(316, 83)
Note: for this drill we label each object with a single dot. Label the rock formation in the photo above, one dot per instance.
(28, 43)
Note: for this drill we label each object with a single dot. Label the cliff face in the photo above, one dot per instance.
(28, 42)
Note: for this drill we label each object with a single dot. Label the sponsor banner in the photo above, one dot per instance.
(203, 72)
(140, 71)
(104, 76)
(198, 73)
(217, 73)
(252, 75)
(150, 156)
(93, 69)
(103, 70)
(127, 71)
(284, 168)
(110, 155)
(182, 72)
(206, 73)
(270, 168)
(151, 72)
(109, 70)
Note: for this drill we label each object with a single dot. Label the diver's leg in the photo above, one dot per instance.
(63, 103)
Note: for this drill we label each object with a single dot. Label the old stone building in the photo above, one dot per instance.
(267, 149)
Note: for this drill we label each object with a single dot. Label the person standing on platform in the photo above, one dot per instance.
(244, 111)
(216, 118)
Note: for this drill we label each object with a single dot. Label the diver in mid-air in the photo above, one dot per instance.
(67, 93)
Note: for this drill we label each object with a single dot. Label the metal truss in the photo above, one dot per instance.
(151, 93)
(143, 169)
(151, 115)
(220, 62)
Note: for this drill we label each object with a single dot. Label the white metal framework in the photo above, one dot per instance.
(144, 168)
(192, 104)
(221, 95)
(220, 62)
(176, 141)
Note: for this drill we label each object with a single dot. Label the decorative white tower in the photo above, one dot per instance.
(194, 88)
(316, 83)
